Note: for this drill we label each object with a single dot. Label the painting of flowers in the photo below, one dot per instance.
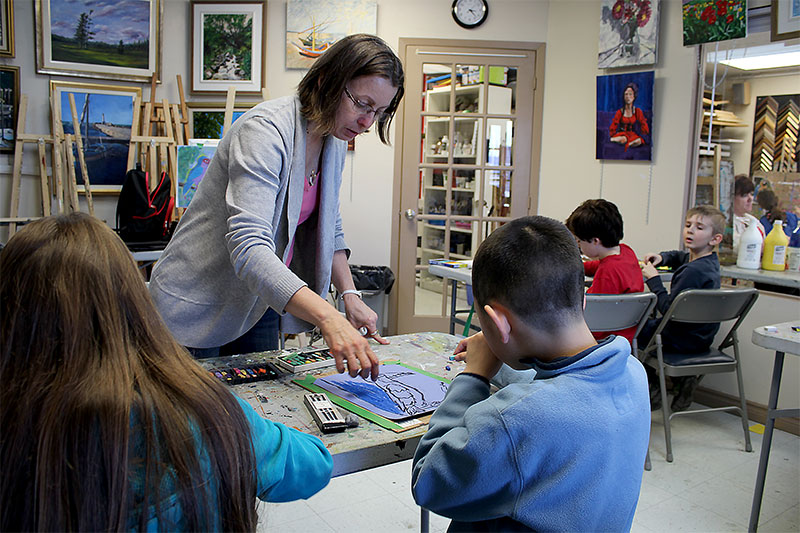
(628, 33)
(706, 21)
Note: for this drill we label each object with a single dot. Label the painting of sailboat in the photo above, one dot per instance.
(105, 118)
(312, 26)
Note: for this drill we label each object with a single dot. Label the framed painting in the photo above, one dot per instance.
(105, 117)
(228, 46)
(707, 21)
(111, 39)
(193, 161)
(628, 33)
(314, 25)
(9, 106)
(625, 116)
(785, 20)
(207, 118)
(6, 28)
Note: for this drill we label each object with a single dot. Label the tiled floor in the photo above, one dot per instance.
(708, 487)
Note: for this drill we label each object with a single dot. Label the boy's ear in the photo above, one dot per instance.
(499, 317)
(716, 239)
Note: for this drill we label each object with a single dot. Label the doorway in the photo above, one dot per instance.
(469, 134)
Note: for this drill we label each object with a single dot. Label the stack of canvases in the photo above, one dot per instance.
(786, 137)
(764, 135)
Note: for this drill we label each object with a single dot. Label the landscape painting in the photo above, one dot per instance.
(314, 25)
(227, 47)
(104, 120)
(114, 39)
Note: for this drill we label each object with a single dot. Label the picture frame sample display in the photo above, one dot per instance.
(628, 33)
(312, 26)
(105, 116)
(228, 46)
(6, 28)
(625, 116)
(706, 21)
(206, 118)
(110, 39)
(785, 20)
(9, 107)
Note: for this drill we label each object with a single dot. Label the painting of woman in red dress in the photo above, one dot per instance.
(625, 132)
(623, 129)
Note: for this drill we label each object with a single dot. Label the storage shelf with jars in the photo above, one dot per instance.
(453, 145)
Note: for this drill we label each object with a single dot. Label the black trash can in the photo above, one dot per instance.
(375, 284)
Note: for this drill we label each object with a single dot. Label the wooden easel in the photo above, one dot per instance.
(16, 176)
(81, 160)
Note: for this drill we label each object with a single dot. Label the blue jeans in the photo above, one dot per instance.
(263, 336)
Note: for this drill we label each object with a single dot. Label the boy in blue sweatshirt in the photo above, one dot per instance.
(696, 268)
(562, 449)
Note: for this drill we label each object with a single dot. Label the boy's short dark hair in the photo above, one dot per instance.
(597, 218)
(717, 217)
(532, 266)
(743, 185)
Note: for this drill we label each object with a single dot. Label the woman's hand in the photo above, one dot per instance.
(347, 344)
(361, 316)
(344, 342)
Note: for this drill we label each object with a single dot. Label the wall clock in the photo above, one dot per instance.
(470, 13)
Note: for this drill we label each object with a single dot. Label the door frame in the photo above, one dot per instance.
(405, 45)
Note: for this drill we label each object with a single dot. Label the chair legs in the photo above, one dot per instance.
(647, 465)
(665, 410)
(743, 414)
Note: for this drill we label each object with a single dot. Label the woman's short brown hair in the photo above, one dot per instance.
(356, 55)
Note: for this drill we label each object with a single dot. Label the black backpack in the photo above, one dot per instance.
(143, 217)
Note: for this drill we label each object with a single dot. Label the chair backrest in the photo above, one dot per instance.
(709, 306)
(612, 312)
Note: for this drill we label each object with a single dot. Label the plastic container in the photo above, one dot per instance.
(775, 245)
(793, 259)
(750, 245)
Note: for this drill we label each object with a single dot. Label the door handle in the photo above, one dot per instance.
(410, 214)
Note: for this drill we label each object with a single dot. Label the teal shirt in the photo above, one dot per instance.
(290, 465)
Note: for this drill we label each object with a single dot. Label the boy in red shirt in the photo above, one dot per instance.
(597, 225)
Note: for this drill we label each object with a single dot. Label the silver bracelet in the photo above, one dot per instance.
(352, 291)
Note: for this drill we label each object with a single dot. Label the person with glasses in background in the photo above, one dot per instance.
(262, 239)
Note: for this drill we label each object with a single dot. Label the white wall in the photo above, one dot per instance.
(569, 171)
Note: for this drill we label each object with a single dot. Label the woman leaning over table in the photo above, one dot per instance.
(262, 239)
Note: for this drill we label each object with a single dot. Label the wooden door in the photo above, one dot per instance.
(469, 128)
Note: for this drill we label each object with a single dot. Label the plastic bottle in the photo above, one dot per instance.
(775, 246)
(750, 245)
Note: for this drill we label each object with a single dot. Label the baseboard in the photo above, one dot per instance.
(755, 411)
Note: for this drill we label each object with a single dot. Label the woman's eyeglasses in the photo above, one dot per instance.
(363, 108)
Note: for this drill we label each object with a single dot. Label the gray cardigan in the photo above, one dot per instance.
(224, 266)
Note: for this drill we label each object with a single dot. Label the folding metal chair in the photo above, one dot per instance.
(702, 306)
(614, 312)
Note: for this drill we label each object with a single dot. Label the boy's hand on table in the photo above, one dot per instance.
(649, 270)
(655, 259)
(479, 357)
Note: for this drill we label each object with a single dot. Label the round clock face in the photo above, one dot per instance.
(470, 13)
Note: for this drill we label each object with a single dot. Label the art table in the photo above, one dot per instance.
(782, 339)
(368, 445)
